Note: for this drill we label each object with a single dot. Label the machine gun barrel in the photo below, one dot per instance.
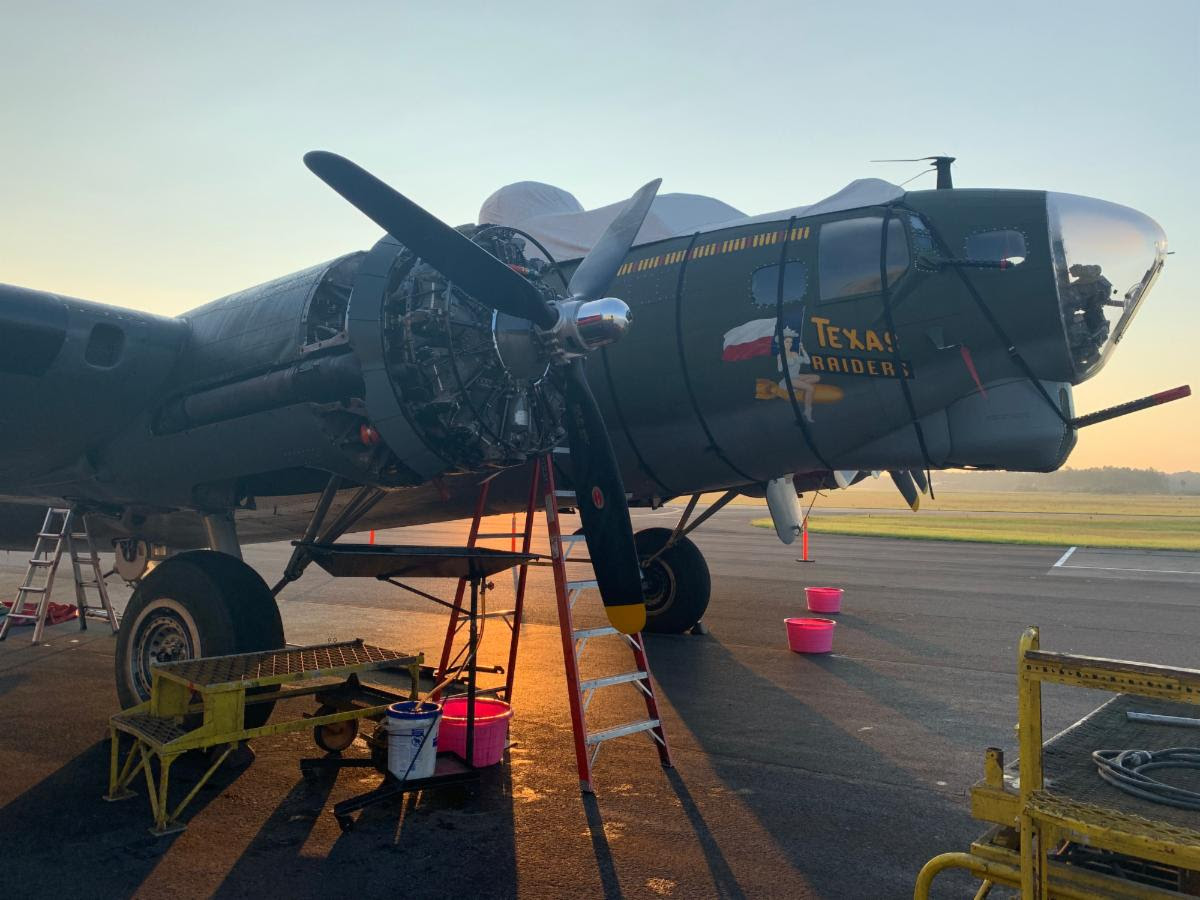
(1124, 409)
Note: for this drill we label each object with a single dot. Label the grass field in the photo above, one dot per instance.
(1058, 502)
(1145, 521)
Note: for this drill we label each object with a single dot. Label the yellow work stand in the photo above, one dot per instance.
(162, 728)
(1059, 830)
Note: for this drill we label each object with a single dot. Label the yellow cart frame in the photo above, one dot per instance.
(1029, 819)
(160, 729)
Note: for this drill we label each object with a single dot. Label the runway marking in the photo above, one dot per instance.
(1129, 569)
(1109, 552)
(1062, 559)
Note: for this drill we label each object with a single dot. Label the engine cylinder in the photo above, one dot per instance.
(475, 386)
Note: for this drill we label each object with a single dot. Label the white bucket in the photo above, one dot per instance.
(412, 728)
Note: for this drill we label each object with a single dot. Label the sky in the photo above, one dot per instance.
(152, 151)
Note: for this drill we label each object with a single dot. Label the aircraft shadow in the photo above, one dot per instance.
(459, 840)
(10, 681)
(63, 839)
(272, 863)
(842, 807)
(897, 638)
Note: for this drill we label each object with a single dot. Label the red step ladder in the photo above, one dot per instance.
(542, 491)
(456, 659)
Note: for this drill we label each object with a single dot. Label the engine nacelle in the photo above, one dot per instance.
(372, 366)
(450, 383)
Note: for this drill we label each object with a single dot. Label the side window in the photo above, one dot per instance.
(1002, 244)
(764, 285)
(848, 256)
(104, 346)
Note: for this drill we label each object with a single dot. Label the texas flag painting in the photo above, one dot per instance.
(754, 338)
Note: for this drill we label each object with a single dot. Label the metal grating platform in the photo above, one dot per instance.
(154, 729)
(280, 665)
(1070, 774)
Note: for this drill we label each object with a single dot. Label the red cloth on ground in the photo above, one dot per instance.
(58, 612)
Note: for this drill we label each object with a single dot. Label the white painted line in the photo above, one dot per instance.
(1062, 559)
(1127, 569)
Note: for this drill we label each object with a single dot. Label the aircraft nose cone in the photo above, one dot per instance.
(1106, 258)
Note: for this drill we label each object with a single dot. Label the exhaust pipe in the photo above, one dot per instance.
(322, 380)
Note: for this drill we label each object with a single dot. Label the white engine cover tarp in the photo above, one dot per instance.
(556, 219)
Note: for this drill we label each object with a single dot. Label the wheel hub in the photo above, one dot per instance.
(658, 582)
(162, 638)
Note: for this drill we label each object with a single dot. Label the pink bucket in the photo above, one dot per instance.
(810, 635)
(491, 729)
(823, 599)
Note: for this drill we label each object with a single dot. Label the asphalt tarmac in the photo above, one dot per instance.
(795, 776)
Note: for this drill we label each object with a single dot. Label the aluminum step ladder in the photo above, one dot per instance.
(575, 642)
(63, 530)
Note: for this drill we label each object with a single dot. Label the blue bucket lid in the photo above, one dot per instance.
(414, 709)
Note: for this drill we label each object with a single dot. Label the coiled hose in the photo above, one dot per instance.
(1125, 769)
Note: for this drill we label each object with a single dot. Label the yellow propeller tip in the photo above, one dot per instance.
(629, 618)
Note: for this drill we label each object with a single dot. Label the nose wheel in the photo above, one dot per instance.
(675, 580)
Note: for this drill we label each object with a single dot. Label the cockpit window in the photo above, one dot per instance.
(764, 285)
(1004, 244)
(922, 237)
(848, 256)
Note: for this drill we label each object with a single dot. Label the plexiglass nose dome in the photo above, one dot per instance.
(1106, 257)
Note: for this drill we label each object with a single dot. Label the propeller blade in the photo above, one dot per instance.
(465, 263)
(907, 487)
(600, 497)
(918, 475)
(593, 276)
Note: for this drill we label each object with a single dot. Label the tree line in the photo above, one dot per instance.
(1103, 480)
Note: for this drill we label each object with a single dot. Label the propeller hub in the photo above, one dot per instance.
(601, 322)
(486, 416)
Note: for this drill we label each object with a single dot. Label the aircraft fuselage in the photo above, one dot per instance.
(759, 350)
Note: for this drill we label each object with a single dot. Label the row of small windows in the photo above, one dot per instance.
(848, 259)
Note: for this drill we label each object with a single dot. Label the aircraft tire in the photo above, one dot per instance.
(199, 603)
(254, 610)
(678, 585)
